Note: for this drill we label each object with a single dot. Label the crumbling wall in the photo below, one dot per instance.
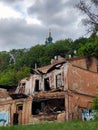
(77, 103)
(21, 111)
(48, 105)
(5, 107)
(82, 88)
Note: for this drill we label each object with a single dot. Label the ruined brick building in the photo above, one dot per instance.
(13, 108)
(59, 91)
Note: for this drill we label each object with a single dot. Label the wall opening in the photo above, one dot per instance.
(19, 107)
(36, 108)
(46, 84)
(48, 106)
(36, 85)
(18, 114)
(15, 119)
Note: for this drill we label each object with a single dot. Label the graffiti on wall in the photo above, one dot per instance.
(4, 118)
(87, 114)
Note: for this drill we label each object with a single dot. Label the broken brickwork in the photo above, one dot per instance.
(61, 90)
(14, 109)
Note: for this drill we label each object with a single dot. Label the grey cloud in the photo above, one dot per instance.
(59, 15)
(47, 7)
(10, 1)
(50, 11)
(18, 34)
(46, 10)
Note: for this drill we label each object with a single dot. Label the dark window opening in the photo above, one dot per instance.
(36, 108)
(19, 107)
(48, 106)
(23, 84)
(46, 84)
(36, 85)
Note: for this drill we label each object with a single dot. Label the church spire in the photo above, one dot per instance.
(49, 32)
(49, 39)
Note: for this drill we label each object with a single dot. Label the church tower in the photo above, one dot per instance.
(49, 39)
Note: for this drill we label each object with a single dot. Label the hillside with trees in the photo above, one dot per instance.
(16, 64)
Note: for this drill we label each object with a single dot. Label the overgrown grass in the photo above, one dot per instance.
(72, 125)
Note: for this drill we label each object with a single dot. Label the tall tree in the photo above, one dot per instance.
(90, 9)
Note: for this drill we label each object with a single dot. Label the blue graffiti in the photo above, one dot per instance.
(87, 114)
(4, 118)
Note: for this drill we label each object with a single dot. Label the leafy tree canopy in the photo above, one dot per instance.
(25, 59)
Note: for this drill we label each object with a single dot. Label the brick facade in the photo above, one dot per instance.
(74, 81)
(82, 88)
(13, 109)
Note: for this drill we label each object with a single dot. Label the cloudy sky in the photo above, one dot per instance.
(25, 23)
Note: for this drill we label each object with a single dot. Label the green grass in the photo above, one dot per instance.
(72, 125)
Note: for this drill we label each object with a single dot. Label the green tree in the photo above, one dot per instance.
(90, 48)
(25, 59)
(4, 60)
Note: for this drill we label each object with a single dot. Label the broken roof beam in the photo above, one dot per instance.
(46, 95)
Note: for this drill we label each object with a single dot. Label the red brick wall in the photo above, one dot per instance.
(26, 111)
(83, 61)
(78, 102)
(81, 91)
(80, 63)
(82, 80)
